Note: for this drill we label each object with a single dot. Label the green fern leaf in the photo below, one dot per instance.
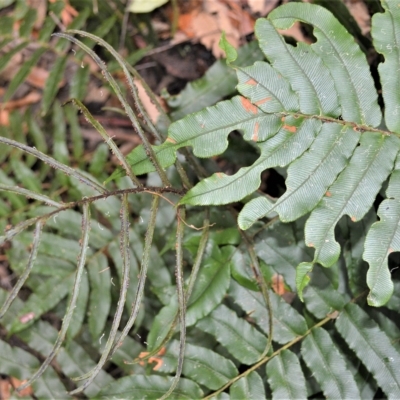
(328, 366)
(309, 77)
(100, 294)
(153, 386)
(23, 72)
(286, 377)
(309, 176)
(287, 322)
(242, 340)
(248, 387)
(344, 59)
(385, 31)
(201, 365)
(372, 347)
(51, 87)
(350, 194)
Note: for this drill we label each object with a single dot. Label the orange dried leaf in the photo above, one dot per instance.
(278, 285)
(23, 393)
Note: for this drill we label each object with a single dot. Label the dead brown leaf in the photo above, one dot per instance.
(207, 22)
(263, 7)
(41, 10)
(23, 393)
(359, 11)
(5, 389)
(295, 32)
(38, 77)
(148, 105)
(30, 98)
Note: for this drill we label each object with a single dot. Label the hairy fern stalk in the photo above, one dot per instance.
(311, 110)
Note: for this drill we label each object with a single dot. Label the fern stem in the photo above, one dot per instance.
(91, 375)
(199, 255)
(255, 265)
(54, 163)
(30, 195)
(25, 274)
(117, 90)
(181, 299)
(143, 274)
(110, 142)
(74, 297)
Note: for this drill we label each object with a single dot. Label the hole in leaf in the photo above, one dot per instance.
(394, 264)
(273, 183)
(239, 153)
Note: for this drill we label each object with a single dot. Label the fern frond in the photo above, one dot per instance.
(314, 109)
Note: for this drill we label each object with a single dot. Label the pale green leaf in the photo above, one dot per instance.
(145, 6)
(385, 32)
(79, 314)
(303, 277)
(341, 54)
(46, 297)
(302, 67)
(52, 84)
(211, 284)
(352, 194)
(266, 88)
(320, 297)
(222, 189)
(281, 248)
(383, 238)
(230, 51)
(22, 73)
(310, 175)
(72, 360)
